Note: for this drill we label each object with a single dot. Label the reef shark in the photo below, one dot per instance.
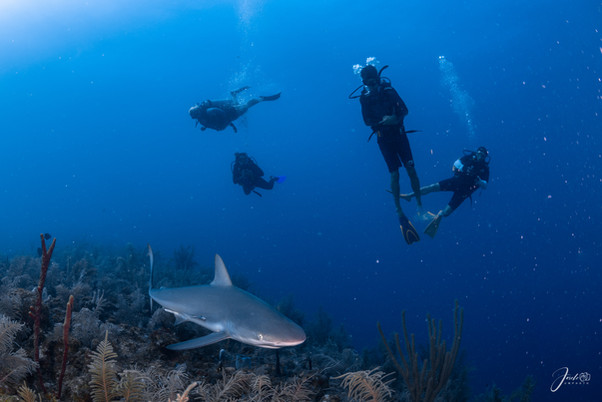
(226, 310)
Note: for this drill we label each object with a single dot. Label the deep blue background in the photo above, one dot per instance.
(96, 146)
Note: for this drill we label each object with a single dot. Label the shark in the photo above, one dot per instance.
(226, 310)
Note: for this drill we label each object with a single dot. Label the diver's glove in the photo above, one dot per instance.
(458, 166)
(481, 183)
(389, 120)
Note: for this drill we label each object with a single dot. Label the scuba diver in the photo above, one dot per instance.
(471, 172)
(246, 173)
(384, 111)
(220, 114)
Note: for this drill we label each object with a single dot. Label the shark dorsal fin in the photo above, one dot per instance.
(222, 278)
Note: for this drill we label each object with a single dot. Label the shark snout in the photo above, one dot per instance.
(297, 338)
(295, 335)
(291, 342)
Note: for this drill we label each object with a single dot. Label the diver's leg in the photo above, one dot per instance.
(457, 198)
(270, 97)
(239, 90)
(395, 190)
(402, 147)
(252, 102)
(433, 226)
(410, 235)
(430, 189)
(415, 183)
(266, 185)
(423, 191)
(446, 211)
(242, 109)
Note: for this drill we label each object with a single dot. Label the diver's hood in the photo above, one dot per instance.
(369, 74)
(194, 111)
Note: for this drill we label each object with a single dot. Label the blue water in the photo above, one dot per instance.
(97, 148)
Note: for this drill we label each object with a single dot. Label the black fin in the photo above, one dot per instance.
(271, 97)
(410, 235)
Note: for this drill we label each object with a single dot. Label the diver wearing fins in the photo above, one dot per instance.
(471, 172)
(384, 111)
(248, 174)
(219, 115)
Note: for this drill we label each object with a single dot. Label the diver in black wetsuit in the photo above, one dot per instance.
(384, 110)
(247, 174)
(471, 172)
(220, 114)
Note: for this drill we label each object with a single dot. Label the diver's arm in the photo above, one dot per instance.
(400, 109)
(485, 175)
(483, 178)
(235, 174)
(369, 120)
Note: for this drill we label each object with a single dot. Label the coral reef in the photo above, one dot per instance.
(115, 348)
(368, 385)
(425, 380)
(521, 394)
(15, 364)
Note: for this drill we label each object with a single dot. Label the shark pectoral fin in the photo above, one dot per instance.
(199, 342)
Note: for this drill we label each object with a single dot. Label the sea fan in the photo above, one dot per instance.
(369, 385)
(9, 301)
(104, 375)
(27, 394)
(15, 365)
(132, 385)
(171, 383)
(262, 388)
(228, 389)
(298, 390)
